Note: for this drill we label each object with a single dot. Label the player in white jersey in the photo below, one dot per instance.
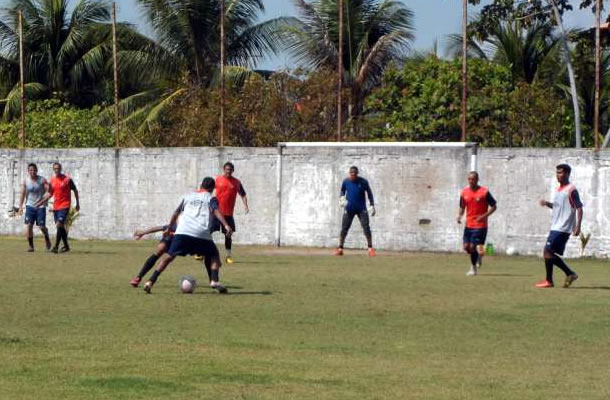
(193, 235)
(566, 219)
(33, 189)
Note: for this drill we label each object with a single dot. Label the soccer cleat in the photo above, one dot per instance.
(544, 284)
(570, 279)
(135, 281)
(338, 252)
(54, 250)
(219, 287)
(65, 249)
(198, 257)
(372, 252)
(472, 271)
(229, 260)
(148, 286)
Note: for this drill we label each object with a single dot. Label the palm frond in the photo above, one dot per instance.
(12, 107)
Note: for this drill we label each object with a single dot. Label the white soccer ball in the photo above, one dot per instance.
(511, 251)
(187, 284)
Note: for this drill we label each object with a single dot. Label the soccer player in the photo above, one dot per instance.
(60, 187)
(162, 247)
(353, 191)
(227, 189)
(193, 234)
(479, 204)
(32, 191)
(566, 218)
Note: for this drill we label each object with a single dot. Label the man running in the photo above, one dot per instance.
(193, 234)
(32, 191)
(227, 189)
(479, 204)
(353, 190)
(566, 219)
(61, 188)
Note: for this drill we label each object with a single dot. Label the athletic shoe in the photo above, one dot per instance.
(372, 252)
(229, 260)
(30, 250)
(338, 252)
(135, 281)
(198, 257)
(219, 287)
(54, 250)
(148, 286)
(472, 271)
(570, 279)
(65, 249)
(544, 284)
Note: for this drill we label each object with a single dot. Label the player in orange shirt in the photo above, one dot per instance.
(227, 189)
(61, 187)
(479, 204)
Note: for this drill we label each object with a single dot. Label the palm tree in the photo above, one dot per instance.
(376, 32)
(65, 51)
(525, 49)
(185, 51)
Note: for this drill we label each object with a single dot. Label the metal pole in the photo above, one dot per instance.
(116, 78)
(598, 57)
(21, 80)
(464, 65)
(222, 72)
(340, 74)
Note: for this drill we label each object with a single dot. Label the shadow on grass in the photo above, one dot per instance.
(591, 287)
(509, 275)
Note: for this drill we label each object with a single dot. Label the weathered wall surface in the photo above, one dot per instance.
(416, 191)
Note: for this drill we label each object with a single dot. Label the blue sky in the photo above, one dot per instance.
(433, 20)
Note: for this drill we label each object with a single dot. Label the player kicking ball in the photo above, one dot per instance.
(479, 204)
(566, 219)
(193, 235)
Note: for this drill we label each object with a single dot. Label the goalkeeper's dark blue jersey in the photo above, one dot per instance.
(354, 192)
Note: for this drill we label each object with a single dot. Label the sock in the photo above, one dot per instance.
(46, 237)
(208, 269)
(228, 243)
(31, 241)
(548, 263)
(214, 275)
(58, 236)
(65, 236)
(148, 265)
(562, 265)
(369, 241)
(474, 257)
(228, 252)
(155, 276)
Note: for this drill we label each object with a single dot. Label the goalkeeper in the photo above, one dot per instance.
(353, 200)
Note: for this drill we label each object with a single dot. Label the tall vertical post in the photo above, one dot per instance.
(222, 72)
(598, 56)
(340, 74)
(116, 78)
(464, 66)
(21, 80)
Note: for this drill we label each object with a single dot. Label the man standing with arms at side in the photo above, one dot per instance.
(61, 188)
(32, 191)
(353, 190)
(479, 204)
(566, 219)
(227, 189)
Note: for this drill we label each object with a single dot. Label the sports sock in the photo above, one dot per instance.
(208, 268)
(562, 265)
(148, 265)
(228, 243)
(46, 237)
(31, 241)
(155, 276)
(548, 264)
(369, 241)
(58, 236)
(474, 257)
(215, 276)
(65, 236)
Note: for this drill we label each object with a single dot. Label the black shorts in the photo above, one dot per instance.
(183, 245)
(475, 235)
(217, 226)
(556, 242)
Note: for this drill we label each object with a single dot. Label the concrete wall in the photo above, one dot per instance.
(416, 191)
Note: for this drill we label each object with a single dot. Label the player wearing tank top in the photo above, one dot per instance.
(32, 191)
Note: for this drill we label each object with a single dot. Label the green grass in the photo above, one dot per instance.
(298, 326)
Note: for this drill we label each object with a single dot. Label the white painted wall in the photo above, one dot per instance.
(122, 190)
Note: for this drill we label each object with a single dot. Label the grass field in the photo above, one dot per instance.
(299, 325)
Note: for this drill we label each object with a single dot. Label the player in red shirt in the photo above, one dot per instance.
(479, 204)
(227, 189)
(60, 188)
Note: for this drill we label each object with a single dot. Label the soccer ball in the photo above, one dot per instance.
(187, 284)
(510, 251)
